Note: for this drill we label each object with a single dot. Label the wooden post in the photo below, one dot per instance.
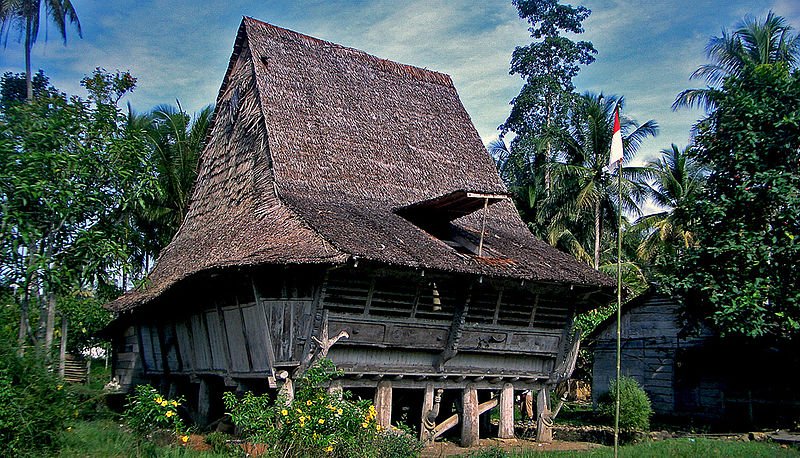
(470, 435)
(427, 408)
(203, 402)
(526, 405)
(335, 388)
(62, 354)
(544, 420)
(506, 427)
(286, 391)
(383, 403)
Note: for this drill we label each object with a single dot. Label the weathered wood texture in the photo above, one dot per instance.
(651, 339)
(506, 425)
(383, 403)
(470, 435)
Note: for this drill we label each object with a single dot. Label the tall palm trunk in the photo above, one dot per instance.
(28, 47)
(597, 224)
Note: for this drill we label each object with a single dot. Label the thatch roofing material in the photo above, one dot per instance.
(315, 146)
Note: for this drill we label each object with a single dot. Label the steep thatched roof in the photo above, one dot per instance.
(321, 153)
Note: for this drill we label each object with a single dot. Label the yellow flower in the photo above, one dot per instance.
(378, 427)
(339, 411)
(329, 448)
(174, 403)
(184, 439)
(164, 403)
(321, 421)
(298, 410)
(158, 400)
(309, 402)
(284, 412)
(365, 425)
(169, 413)
(59, 387)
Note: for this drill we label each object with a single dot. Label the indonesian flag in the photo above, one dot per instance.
(616, 144)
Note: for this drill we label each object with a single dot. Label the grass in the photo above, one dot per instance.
(104, 438)
(673, 448)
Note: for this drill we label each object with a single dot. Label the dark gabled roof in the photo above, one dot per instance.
(315, 151)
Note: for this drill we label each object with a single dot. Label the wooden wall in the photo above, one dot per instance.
(401, 322)
(650, 341)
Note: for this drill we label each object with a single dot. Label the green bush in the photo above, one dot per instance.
(148, 412)
(34, 406)
(634, 406)
(317, 423)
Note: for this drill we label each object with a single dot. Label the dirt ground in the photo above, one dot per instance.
(444, 449)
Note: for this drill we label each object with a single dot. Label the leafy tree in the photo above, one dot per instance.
(677, 183)
(548, 65)
(25, 15)
(68, 172)
(743, 275)
(14, 87)
(752, 43)
(583, 190)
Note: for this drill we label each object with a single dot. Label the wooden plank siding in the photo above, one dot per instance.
(398, 322)
(651, 338)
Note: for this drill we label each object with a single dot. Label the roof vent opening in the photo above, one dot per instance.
(435, 217)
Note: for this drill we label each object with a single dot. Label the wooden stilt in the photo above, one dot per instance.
(203, 402)
(470, 435)
(506, 427)
(335, 388)
(544, 422)
(383, 403)
(286, 391)
(526, 405)
(426, 423)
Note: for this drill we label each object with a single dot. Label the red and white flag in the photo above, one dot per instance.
(616, 144)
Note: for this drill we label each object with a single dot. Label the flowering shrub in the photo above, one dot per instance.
(147, 411)
(317, 423)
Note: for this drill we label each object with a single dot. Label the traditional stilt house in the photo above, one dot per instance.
(346, 199)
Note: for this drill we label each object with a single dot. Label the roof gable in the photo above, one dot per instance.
(314, 150)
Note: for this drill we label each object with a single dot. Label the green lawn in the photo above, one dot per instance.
(678, 448)
(104, 438)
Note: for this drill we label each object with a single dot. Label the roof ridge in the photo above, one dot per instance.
(411, 71)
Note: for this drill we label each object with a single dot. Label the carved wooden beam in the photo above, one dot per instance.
(456, 329)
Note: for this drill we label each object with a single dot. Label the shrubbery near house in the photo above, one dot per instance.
(634, 406)
(316, 422)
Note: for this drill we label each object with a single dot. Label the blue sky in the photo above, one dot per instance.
(179, 49)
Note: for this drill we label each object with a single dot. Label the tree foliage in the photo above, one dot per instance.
(743, 275)
(753, 43)
(68, 173)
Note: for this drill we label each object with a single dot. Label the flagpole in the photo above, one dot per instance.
(616, 157)
(619, 307)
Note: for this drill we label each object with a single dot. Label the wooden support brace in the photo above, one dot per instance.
(470, 435)
(383, 403)
(484, 407)
(506, 427)
(450, 422)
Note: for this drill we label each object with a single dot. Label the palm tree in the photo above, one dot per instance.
(752, 43)
(583, 190)
(176, 140)
(677, 181)
(26, 15)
